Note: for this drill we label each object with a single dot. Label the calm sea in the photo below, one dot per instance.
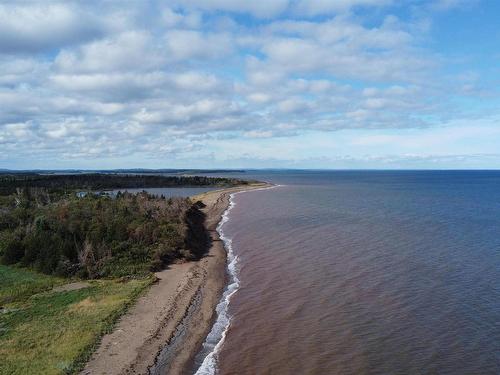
(362, 273)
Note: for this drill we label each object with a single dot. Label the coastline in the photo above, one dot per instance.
(167, 326)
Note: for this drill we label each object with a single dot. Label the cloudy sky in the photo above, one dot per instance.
(240, 83)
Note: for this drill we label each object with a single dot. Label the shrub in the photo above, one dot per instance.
(12, 248)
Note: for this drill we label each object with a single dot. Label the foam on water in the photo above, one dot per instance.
(367, 272)
(216, 337)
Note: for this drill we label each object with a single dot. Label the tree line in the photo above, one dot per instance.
(61, 183)
(100, 236)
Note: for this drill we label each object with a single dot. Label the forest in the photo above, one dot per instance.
(63, 183)
(45, 226)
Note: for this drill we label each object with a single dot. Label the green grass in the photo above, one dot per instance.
(55, 332)
(17, 284)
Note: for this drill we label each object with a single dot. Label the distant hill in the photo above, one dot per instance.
(120, 171)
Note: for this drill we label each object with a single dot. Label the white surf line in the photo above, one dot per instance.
(215, 339)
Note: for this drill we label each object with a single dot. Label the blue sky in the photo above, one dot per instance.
(250, 84)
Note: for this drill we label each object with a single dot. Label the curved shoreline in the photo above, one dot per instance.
(206, 359)
(165, 329)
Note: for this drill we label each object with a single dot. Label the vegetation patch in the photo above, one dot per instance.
(72, 263)
(55, 332)
(18, 284)
(64, 183)
(99, 236)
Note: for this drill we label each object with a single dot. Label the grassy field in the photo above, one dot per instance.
(48, 332)
(18, 284)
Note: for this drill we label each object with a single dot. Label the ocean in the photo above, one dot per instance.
(361, 272)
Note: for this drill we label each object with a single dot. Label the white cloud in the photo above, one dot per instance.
(31, 28)
(293, 105)
(152, 77)
(187, 44)
(195, 81)
(131, 50)
(342, 47)
(104, 82)
(172, 19)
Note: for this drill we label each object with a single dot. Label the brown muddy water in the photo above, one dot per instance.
(362, 273)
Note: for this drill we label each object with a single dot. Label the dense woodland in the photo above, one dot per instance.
(9, 183)
(99, 236)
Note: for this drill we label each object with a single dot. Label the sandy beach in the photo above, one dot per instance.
(165, 329)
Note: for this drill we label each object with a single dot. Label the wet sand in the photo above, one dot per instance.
(165, 329)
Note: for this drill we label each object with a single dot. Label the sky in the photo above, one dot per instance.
(326, 84)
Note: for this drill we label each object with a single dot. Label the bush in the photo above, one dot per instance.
(66, 268)
(197, 239)
(12, 248)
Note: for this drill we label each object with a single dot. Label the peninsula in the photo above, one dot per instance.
(108, 284)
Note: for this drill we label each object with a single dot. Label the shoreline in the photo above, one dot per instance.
(165, 329)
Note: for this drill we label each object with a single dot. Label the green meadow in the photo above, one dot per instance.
(47, 331)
